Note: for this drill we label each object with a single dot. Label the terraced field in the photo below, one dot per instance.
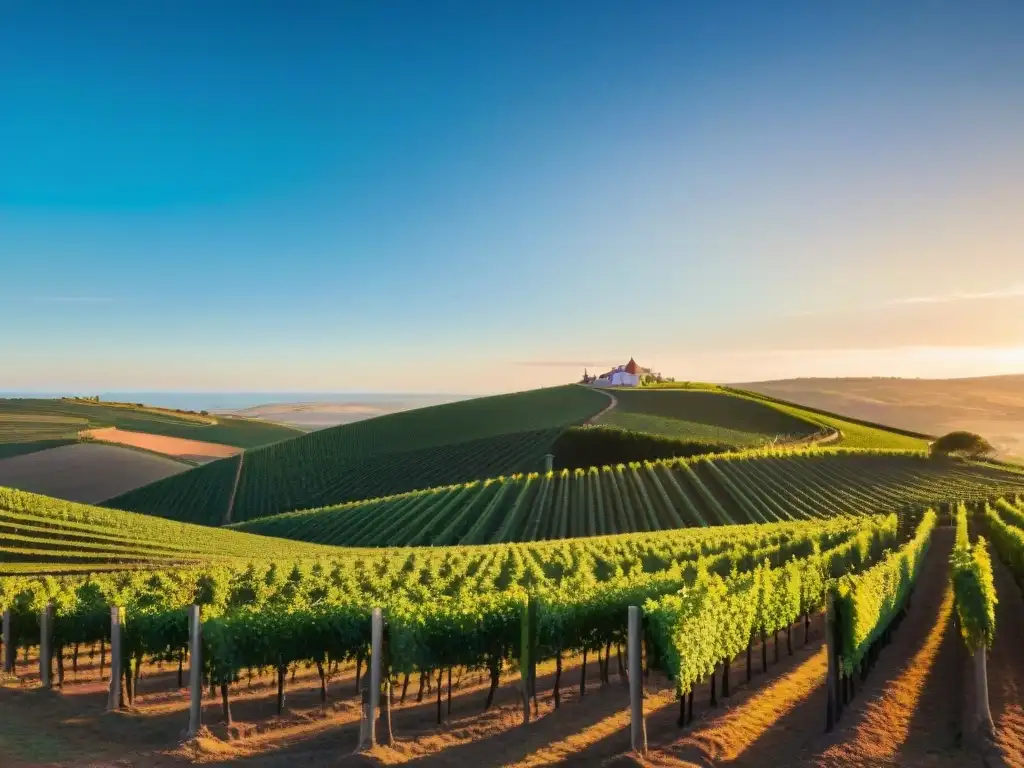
(27, 425)
(424, 448)
(734, 488)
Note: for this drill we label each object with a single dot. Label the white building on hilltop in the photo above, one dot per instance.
(627, 375)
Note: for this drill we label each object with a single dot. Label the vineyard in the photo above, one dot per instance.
(424, 448)
(279, 614)
(749, 487)
(709, 595)
(39, 534)
(437, 554)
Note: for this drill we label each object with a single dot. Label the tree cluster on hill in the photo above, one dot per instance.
(962, 443)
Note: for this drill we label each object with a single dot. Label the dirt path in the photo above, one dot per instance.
(907, 713)
(234, 490)
(1006, 667)
(760, 722)
(614, 402)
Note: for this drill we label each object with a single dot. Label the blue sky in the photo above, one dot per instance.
(480, 196)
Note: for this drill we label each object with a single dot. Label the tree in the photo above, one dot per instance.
(961, 443)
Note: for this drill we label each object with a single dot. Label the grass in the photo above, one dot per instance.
(26, 422)
(389, 454)
(679, 428)
(706, 414)
(755, 418)
(856, 433)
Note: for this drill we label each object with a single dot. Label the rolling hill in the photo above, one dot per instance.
(473, 440)
(992, 406)
(423, 448)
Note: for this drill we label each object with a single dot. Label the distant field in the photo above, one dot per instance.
(309, 416)
(176, 447)
(705, 415)
(86, 472)
(992, 406)
(732, 488)
(27, 422)
(423, 448)
(22, 433)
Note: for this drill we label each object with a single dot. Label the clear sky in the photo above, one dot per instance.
(475, 197)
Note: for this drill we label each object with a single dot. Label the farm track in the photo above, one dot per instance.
(1006, 667)
(234, 490)
(907, 713)
(614, 402)
(584, 731)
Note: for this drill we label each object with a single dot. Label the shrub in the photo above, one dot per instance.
(961, 443)
(598, 446)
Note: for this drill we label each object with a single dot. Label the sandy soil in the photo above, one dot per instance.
(1006, 667)
(190, 450)
(86, 472)
(906, 713)
(588, 730)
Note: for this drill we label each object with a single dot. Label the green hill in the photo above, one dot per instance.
(992, 406)
(423, 448)
(748, 487)
(705, 415)
(744, 419)
(28, 425)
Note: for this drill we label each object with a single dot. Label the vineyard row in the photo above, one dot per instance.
(749, 487)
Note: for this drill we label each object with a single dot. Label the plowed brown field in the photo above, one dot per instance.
(190, 450)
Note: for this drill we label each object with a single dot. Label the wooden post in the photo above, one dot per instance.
(527, 653)
(114, 695)
(195, 670)
(837, 641)
(830, 678)
(634, 658)
(387, 736)
(982, 725)
(46, 646)
(9, 649)
(549, 462)
(376, 643)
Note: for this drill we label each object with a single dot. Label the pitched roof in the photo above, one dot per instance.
(631, 366)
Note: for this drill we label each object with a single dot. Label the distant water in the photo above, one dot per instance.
(233, 401)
